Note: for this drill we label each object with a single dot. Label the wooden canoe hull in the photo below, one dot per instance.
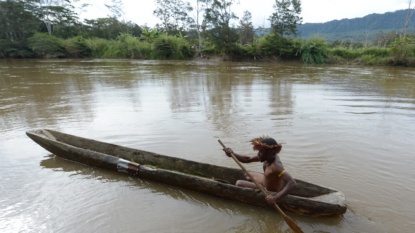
(307, 199)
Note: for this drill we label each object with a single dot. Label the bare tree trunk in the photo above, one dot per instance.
(408, 15)
(197, 24)
(367, 35)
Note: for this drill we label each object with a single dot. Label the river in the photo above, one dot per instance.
(347, 127)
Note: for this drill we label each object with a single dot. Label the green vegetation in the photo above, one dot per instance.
(46, 45)
(51, 29)
(219, 30)
(286, 17)
(127, 46)
(313, 51)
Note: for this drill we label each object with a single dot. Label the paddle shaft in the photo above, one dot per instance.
(253, 180)
(288, 220)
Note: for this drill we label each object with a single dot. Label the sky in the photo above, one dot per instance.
(313, 11)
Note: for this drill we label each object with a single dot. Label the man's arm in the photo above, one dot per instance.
(291, 185)
(241, 158)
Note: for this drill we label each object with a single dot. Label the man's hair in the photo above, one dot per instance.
(265, 142)
(269, 141)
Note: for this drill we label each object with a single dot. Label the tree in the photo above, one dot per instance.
(117, 10)
(379, 38)
(16, 20)
(367, 35)
(246, 29)
(201, 5)
(81, 7)
(409, 14)
(108, 28)
(286, 18)
(150, 35)
(55, 12)
(218, 18)
(401, 50)
(173, 14)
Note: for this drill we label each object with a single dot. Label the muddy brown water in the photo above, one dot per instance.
(347, 127)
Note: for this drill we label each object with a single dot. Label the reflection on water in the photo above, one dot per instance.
(351, 128)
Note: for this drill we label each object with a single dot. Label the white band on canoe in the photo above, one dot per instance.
(122, 166)
(127, 167)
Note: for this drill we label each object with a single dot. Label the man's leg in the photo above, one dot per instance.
(259, 177)
(246, 184)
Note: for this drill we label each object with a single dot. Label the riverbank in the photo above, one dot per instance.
(367, 60)
(270, 48)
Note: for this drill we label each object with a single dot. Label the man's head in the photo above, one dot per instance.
(267, 147)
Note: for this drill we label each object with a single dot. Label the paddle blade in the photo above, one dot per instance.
(293, 225)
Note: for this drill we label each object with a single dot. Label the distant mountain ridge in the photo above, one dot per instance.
(348, 29)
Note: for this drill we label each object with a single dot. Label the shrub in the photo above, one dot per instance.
(239, 52)
(346, 53)
(313, 51)
(353, 54)
(132, 44)
(144, 51)
(14, 49)
(163, 46)
(401, 49)
(169, 47)
(211, 50)
(97, 46)
(46, 45)
(116, 49)
(76, 47)
(273, 44)
(334, 59)
(367, 59)
(381, 52)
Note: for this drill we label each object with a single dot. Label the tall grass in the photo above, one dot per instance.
(98, 46)
(128, 46)
(268, 48)
(352, 54)
(313, 51)
(169, 47)
(76, 47)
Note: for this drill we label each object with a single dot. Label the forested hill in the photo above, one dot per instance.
(347, 29)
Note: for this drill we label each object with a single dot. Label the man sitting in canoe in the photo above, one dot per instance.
(274, 172)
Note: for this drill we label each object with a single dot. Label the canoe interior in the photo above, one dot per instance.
(304, 189)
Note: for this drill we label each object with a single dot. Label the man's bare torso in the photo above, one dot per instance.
(271, 180)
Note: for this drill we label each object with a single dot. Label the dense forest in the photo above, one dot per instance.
(54, 29)
(356, 29)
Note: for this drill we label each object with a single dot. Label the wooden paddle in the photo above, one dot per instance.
(287, 219)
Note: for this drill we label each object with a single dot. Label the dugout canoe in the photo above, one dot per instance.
(307, 198)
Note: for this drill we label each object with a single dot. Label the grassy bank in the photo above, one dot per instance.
(270, 48)
(42, 45)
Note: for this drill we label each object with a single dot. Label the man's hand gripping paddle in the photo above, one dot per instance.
(287, 219)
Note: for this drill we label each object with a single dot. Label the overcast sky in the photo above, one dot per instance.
(313, 11)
